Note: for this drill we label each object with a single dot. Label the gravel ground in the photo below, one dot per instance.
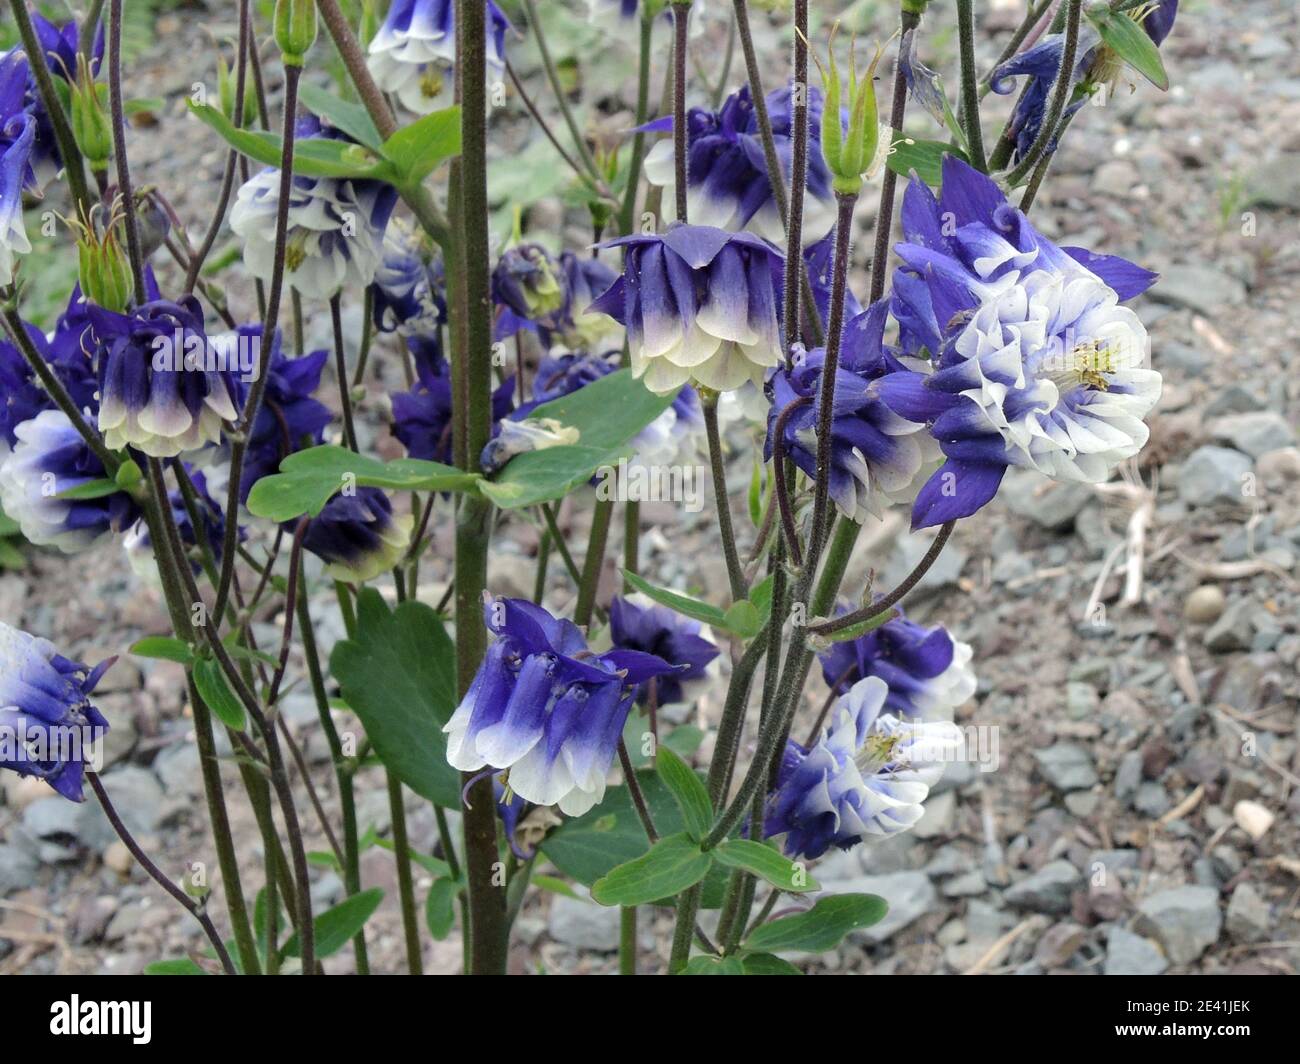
(1142, 815)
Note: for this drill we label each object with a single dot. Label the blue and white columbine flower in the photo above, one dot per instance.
(928, 672)
(358, 536)
(876, 456)
(48, 728)
(162, 390)
(413, 56)
(727, 173)
(49, 458)
(336, 225)
(699, 304)
(1034, 362)
(545, 709)
(408, 289)
(22, 396)
(866, 775)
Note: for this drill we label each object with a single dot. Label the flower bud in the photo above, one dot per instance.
(226, 90)
(295, 29)
(850, 155)
(90, 124)
(103, 268)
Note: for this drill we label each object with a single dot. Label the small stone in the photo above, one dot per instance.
(1130, 954)
(1283, 464)
(53, 818)
(583, 924)
(969, 885)
(1046, 891)
(1213, 475)
(1050, 504)
(1253, 818)
(1129, 775)
(18, 868)
(1082, 803)
(1081, 700)
(1067, 767)
(1151, 800)
(937, 820)
(1248, 915)
(1255, 433)
(1235, 630)
(1059, 943)
(1197, 287)
(1205, 604)
(1186, 921)
(118, 858)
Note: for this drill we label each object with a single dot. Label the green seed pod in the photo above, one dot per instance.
(295, 29)
(90, 126)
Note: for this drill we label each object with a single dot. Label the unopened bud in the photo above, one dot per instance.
(295, 29)
(90, 126)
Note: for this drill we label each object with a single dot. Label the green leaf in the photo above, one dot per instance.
(768, 964)
(607, 413)
(440, 907)
(313, 157)
(684, 740)
(688, 790)
(1131, 43)
(822, 927)
(552, 885)
(766, 863)
(705, 965)
(176, 966)
(352, 118)
(853, 630)
(420, 148)
(143, 105)
(745, 619)
(336, 927)
(91, 489)
(163, 647)
(672, 865)
(923, 156)
(399, 676)
(216, 692)
(586, 848)
(309, 479)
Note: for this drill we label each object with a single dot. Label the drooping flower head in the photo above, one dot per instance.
(1035, 363)
(927, 671)
(699, 304)
(408, 290)
(50, 458)
(18, 130)
(577, 326)
(727, 171)
(545, 709)
(413, 56)
(528, 286)
(290, 418)
(358, 536)
(876, 455)
(336, 225)
(48, 728)
(639, 624)
(867, 774)
(163, 388)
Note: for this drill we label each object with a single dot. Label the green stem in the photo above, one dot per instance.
(627, 941)
(970, 100)
(405, 885)
(593, 562)
(1060, 94)
(553, 78)
(627, 215)
(735, 572)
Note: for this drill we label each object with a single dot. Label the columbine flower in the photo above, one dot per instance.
(336, 225)
(413, 55)
(48, 728)
(545, 708)
(875, 454)
(1041, 63)
(729, 187)
(528, 286)
(866, 775)
(48, 459)
(521, 437)
(139, 544)
(1035, 363)
(928, 672)
(577, 325)
(698, 303)
(160, 390)
(17, 138)
(636, 623)
(60, 44)
(357, 535)
(289, 419)
(408, 287)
